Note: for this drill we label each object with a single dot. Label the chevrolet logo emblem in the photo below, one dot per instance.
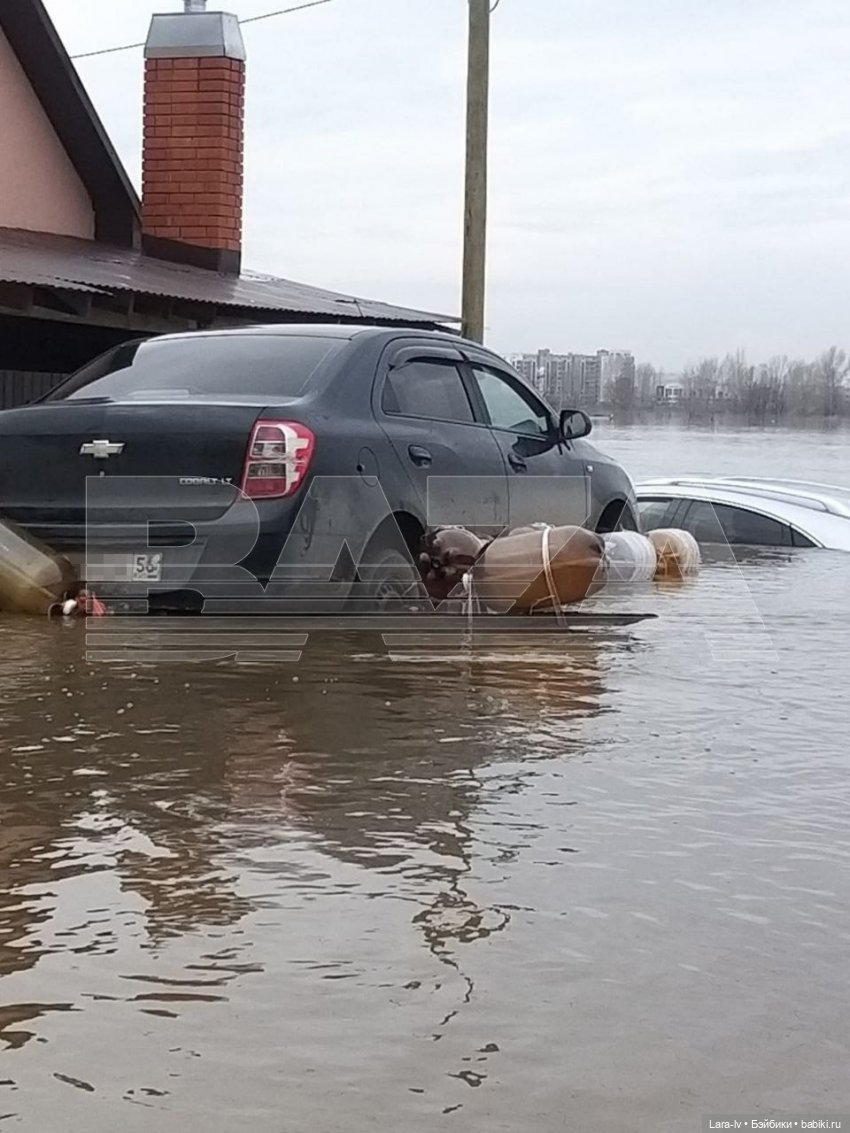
(101, 450)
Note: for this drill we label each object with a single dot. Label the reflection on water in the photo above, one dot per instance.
(602, 884)
(156, 772)
(168, 834)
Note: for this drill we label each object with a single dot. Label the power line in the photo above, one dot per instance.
(285, 11)
(250, 20)
(107, 51)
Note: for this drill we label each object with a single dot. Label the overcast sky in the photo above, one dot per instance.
(668, 176)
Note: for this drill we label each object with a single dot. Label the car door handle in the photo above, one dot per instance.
(420, 456)
(517, 463)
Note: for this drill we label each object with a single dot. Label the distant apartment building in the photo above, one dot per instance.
(571, 380)
(527, 366)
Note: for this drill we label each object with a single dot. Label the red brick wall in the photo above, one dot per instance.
(193, 151)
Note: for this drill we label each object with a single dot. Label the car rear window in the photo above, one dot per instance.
(800, 540)
(241, 367)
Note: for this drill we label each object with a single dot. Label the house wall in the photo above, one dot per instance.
(39, 187)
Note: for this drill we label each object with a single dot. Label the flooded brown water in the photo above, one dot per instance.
(598, 885)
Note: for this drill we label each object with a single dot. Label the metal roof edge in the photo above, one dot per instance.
(40, 257)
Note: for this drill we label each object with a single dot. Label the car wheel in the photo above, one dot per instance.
(387, 583)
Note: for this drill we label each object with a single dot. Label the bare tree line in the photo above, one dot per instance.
(781, 390)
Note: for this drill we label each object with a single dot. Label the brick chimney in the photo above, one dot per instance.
(192, 179)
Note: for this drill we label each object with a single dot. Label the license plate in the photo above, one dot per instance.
(126, 567)
(146, 568)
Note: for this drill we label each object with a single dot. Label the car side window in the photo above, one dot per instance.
(799, 539)
(653, 513)
(721, 523)
(433, 390)
(509, 407)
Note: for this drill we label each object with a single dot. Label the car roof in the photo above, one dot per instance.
(818, 511)
(346, 333)
(826, 498)
(320, 330)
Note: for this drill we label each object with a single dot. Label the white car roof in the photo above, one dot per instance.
(820, 511)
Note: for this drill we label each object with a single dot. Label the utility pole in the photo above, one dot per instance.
(477, 121)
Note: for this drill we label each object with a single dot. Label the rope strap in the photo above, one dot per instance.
(547, 567)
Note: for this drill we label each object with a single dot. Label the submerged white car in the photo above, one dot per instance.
(749, 512)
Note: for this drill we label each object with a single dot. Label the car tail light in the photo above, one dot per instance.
(278, 458)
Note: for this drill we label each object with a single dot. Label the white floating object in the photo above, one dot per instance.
(678, 552)
(629, 557)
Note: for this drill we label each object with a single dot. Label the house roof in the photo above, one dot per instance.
(110, 265)
(67, 263)
(54, 79)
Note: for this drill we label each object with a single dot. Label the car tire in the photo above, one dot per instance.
(387, 583)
